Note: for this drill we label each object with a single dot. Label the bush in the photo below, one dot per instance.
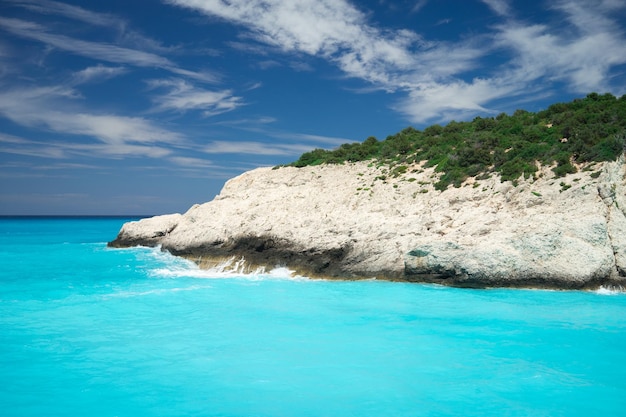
(315, 157)
(591, 129)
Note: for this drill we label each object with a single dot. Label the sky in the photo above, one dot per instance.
(145, 107)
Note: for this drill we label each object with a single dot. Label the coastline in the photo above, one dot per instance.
(345, 222)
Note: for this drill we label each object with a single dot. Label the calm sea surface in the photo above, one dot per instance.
(91, 331)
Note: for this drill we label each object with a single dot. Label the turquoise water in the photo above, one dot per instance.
(91, 331)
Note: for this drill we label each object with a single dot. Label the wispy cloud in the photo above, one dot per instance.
(96, 73)
(66, 150)
(392, 60)
(500, 7)
(314, 139)
(97, 50)
(334, 30)
(124, 34)
(60, 109)
(127, 46)
(581, 52)
(294, 142)
(580, 49)
(181, 96)
(43, 108)
(419, 4)
(248, 122)
(256, 148)
(191, 162)
(118, 136)
(74, 12)
(454, 100)
(19, 146)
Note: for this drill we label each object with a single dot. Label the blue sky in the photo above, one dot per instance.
(147, 107)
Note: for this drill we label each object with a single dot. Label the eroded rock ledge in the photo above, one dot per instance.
(357, 221)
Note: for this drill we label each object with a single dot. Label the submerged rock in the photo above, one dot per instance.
(356, 221)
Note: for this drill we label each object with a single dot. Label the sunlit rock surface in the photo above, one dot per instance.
(357, 221)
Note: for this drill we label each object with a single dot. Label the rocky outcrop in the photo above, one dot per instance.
(361, 221)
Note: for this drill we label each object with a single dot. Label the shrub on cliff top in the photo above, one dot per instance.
(591, 129)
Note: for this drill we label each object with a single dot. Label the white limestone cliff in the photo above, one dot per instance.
(358, 221)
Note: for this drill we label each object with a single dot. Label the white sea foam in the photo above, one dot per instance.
(613, 290)
(235, 267)
(129, 294)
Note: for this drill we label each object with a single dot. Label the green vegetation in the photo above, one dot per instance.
(586, 130)
(564, 186)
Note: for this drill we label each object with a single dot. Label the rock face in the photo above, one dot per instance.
(359, 221)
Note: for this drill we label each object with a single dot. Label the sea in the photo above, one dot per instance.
(87, 330)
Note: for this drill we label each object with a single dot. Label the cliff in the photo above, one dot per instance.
(360, 220)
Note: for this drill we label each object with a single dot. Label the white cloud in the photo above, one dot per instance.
(581, 48)
(398, 60)
(581, 54)
(454, 100)
(248, 122)
(96, 50)
(67, 10)
(65, 150)
(99, 51)
(96, 73)
(288, 141)
(337, 31)
(501, 7)
(256, 148)
(109, 21)
(293, 142)
(332, 29)
(19, 146)
(195, 167)
(588, 17)
(190, 162)
(118, 150)
(61, 166)
(419, 4)
(316, 139)
(183, 96)
(45, 108)
(110, 129)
